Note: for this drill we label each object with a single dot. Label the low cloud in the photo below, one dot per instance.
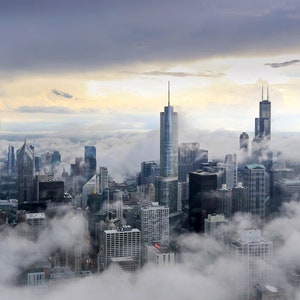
(185, 74)
(283, 64)
(44, 109)
(62, 94)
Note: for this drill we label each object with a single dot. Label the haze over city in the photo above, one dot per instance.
(78, 73)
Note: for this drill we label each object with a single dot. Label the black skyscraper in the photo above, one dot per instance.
(202, 198)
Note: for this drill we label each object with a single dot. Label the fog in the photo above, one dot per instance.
(205, 268)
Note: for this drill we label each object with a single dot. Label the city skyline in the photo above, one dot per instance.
(103, 67)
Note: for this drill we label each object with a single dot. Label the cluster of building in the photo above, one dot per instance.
(136, 222)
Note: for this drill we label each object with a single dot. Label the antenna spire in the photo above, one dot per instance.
(262, 91)
(168, 93)
(268, 92)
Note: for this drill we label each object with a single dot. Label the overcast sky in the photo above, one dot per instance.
(104, 65)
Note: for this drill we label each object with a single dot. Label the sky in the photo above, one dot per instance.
(103, 66)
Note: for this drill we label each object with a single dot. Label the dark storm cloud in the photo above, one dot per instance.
(61, 93)
(283, 64)
(44, 109)
(83, 35)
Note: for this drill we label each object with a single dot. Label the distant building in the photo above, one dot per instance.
(254, 255)
(286, 190)
(240, 199)
(244, 142)
(149, 170)
(190, 156)
(224, 196)
(269, 292)
(25, 166)
(36, 224)
(214, 225)
(49, 190)
(36, 280)
(255, 184)
(11, 162)
(159, 255)
(202, 198)
(90, 161)
(103, 179)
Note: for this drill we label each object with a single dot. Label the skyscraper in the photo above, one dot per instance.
(90, 161)
(25, 165)
(255, 184)
(202, 198)
(167, 182)
(169, 141)
(10, 160)
(263, 122)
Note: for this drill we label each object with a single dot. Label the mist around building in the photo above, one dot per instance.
(183, 226)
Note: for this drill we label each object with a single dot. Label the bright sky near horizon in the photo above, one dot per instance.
(104, 65)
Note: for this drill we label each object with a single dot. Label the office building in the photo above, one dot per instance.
(229, 168)
(122, 246)
(103, 179)
(11, 160)
(89, 188)
(214, 225)
(285, 190)
(166, 193)
(36, 224)
(254, 176)
(90, 161)
(224, 196)
(244, 142)
(190, 156)
(202, 198)
(25, 166)
(240, 199)
(159, 255)
(155, 224)
(254, 255)
(56, 158)
(149, 170)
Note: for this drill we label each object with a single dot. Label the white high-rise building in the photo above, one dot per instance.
(254, 255)
(122, 246)
(155, 224)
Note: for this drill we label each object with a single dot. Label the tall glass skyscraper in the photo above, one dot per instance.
(167, 182)
(169, 141)
(25, 165)
(90, 161)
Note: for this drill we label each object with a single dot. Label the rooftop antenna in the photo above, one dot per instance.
(262, 91)
(168, 93)
(268, 92)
